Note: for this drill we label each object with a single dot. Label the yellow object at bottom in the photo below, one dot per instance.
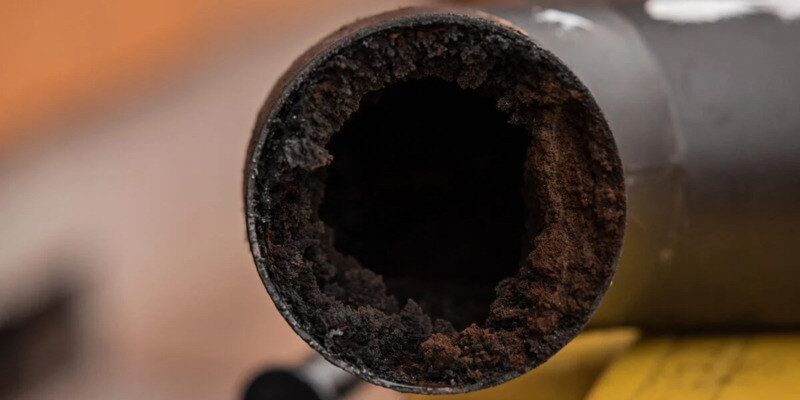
(742, 367)
(723, 367)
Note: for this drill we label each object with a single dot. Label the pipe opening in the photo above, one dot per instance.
(425, 189)
(418, 173)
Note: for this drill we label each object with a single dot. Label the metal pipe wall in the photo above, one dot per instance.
(705, 117)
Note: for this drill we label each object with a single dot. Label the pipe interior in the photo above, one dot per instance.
(425, 189)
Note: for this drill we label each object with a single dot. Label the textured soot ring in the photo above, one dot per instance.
(572, 193)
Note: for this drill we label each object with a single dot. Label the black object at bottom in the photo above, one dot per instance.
(279, 385)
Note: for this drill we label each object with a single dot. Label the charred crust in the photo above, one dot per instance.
(572, 180)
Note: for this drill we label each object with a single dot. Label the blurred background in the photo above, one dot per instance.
(124, 266)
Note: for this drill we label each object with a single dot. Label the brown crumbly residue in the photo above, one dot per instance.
(572, 182)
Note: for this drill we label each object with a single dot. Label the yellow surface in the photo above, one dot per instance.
(568, 375)
(704, 368)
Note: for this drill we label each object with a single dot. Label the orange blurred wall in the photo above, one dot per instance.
(61, 56)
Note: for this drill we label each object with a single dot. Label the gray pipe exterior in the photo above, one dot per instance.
(706, 117)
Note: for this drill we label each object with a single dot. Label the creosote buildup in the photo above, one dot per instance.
(434, 202)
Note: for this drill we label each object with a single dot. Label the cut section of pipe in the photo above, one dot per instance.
(434, 202)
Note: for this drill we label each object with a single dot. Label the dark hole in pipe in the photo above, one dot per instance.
(425, 189)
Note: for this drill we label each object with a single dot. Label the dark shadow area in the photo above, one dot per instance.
(425, 189)
(37, 342)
